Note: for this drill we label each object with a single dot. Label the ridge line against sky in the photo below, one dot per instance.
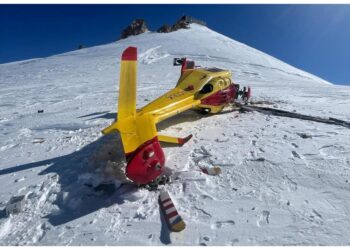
(313, 38)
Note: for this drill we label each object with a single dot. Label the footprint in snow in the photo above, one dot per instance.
(264, 218)
(206, 238)
(202, 213)
(220, 224)
(296, 155)
(332, 133)
(292, 185)
(261, 150)
(20, 179)
(233, 242)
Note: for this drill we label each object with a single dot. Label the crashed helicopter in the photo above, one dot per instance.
(205, 89)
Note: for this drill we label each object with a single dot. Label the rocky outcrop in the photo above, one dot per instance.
(182, 23)
(138, 26)
(164, 29)
(189, 19)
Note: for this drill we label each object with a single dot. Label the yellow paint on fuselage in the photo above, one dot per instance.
(139, 127)
(183, 97)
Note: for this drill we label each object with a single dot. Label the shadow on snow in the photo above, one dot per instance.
(79, 172)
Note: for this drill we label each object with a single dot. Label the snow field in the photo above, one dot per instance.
(283, 181)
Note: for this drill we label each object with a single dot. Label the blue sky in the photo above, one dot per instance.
(315, 38)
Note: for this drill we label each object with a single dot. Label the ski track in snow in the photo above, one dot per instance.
(283, 182)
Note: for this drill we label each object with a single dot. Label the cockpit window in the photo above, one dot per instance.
(214, 69)
(207, 88)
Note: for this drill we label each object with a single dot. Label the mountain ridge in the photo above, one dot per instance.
(203, 30)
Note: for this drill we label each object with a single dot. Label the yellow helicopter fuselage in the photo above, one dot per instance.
(209, 89)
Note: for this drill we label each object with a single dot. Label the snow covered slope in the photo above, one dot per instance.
(283, 181)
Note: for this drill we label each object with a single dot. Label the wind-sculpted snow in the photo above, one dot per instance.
(283, 181)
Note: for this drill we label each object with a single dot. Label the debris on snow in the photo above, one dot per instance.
(171, 215)
(211, 170)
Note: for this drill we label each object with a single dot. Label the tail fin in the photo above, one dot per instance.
(144, 154)
(127, 87)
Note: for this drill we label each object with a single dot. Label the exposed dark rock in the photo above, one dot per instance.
(138, 26)
(182, 23)
(186, 20)
(164, 29)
